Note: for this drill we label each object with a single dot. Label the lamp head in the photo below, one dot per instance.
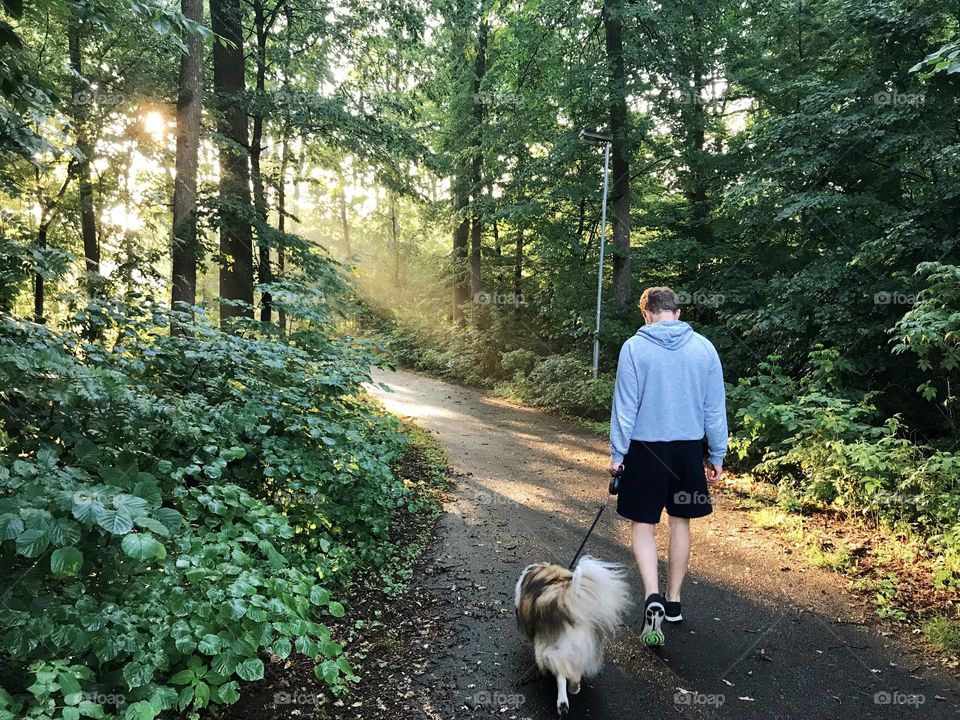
(589, 136)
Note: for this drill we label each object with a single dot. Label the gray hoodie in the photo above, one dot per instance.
(669, 387)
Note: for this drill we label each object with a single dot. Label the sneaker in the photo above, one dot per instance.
(653, 613)
(672, 612)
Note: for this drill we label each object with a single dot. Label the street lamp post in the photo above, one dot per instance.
(597, 138)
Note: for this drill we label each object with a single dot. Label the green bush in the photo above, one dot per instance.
(563, 383)
(173, 507)
(831, 445)
(520, 361)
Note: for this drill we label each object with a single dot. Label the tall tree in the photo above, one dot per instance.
(262, 25)
(185, 248)
(236, 235)
(476, 161)
(620, 150)
(88, 220)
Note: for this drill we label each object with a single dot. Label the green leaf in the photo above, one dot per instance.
(86, 508)
(225, 663)
(10, 526)
(32, 543)
(130, 505)
(185, 697)
(148, 523)
(70, 713)
(170, 518)
(115, 522)
(66, 561)
(91, 710)
(336, 609)
(143, 547)
(229, 692)
(331, 649)
(251, 669)
(328, 671)
(137, 674)
(70, 687)
(64, 532)
(141, 710)
(209, 644)
(281, 648)
(184, 677)
(201, 694)
(319, 596)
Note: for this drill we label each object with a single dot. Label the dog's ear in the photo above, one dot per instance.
(542, 609)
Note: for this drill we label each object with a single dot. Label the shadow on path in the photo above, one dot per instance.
(765, 637)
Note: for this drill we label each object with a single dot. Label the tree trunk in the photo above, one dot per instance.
(38, 298)
(345, 225)
(47, 216)
(88, 220)
(476, 177)
(518, 270)
(236, 237)
(185, 249)
(282, 221)
(697, 191)
(395, 238)
(620, 152)
(256, 141)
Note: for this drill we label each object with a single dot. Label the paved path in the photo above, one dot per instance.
(764, 636)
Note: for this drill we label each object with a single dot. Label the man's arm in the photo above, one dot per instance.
(715, 416)
(626, 402)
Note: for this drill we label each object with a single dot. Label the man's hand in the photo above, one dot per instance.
(614, 468)
(714, 472)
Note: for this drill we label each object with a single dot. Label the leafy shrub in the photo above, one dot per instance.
(831, 445)
(931, 332)
(563, 383)
(172, 507)
(520, 361)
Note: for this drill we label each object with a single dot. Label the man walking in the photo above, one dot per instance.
(668, 396)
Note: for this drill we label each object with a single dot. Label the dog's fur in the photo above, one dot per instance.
(567, 615)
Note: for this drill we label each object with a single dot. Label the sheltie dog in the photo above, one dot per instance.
(567, 615)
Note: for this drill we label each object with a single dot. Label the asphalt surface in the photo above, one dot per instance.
(764, 635)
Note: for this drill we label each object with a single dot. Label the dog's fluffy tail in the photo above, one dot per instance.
(599, 593)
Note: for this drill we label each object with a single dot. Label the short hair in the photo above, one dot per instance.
(658, 299)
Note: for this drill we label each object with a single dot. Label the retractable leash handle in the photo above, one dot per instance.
(615, 481)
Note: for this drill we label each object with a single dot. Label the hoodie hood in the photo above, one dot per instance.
(669, 334)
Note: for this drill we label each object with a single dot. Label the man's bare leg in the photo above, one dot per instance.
(645, 553)
(679, 556)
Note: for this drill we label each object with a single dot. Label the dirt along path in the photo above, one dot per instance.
(763, 636)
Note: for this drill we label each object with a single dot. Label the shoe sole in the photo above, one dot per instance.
(652, 635)
(674, 619)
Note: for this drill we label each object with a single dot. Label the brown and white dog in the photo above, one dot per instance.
(567, 615)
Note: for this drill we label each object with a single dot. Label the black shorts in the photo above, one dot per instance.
(658, 475)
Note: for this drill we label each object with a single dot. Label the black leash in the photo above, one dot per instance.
(586, 537)
(614, 489)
